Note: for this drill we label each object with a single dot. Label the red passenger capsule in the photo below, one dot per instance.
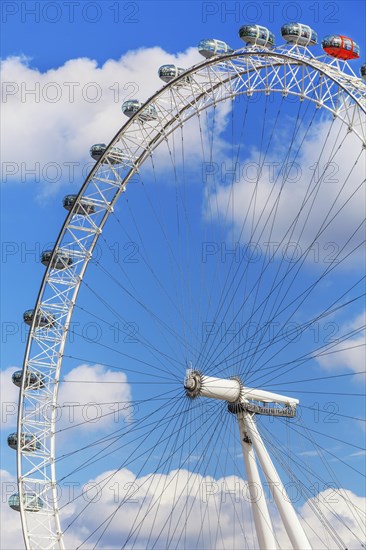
(341, 47)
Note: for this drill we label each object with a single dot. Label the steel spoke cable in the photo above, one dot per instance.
(115, 350)
(254, 287)
(255, 191)
(148, 346)
(281, 455)
(218, 434)
(239, 472)
(177, 498)
(137, 425)
(172, 480)
(304, 295)
(334, 413)
(317, 352)
(194, 428)
(273, 214)
(113, 382)
(168, 468)
(293, 227)
(208, 186)
(130, 460)
(253, 200)
(336, 259)
(330, 268)
(309, 248)
(116, 313)
(279, 336)
(152, 449)
(134, 297)
(276, 449)
(153, 504)
(302, 487)
(159, 218)
(292, 267)
(302, 327)
(321, 351)
(163, 377)
(111, 438)
(203, 455)
(319, 378)
(274, 184)
(185, 323)
(330, 470)
(110, 476)
(228, 283)
(172, 452)
(327, 451)
(309, 356)
(235, 163)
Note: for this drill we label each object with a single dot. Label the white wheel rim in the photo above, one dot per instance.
(282, 69)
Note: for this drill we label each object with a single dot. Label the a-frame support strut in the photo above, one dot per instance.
(240, 401)
(262, 520)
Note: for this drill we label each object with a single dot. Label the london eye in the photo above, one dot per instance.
(204, 275)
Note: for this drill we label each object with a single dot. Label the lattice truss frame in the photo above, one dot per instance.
(287, 70)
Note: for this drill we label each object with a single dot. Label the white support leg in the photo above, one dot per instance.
(288, 515)
(236, 394)
(261, 515)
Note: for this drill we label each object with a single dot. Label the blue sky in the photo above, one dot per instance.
(174, 26)
(120, 45)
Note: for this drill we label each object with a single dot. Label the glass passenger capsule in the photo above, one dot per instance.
(257, 35)
(210, 47)
(297, 33)
(131, 106)
(169, 72)
(32, 503)
(61, 261)
(85, 206)
(97, 150)
(34, 380)
(115, 155)
(340, 47)
(363, 72)
(29, 442)
(42, 319)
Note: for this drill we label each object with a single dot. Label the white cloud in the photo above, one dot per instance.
(180, 508)
(9, 399)
(350, 353)
(156, 507)
(272, 209)
(79, 400)
(55, 116)
(344, 511)
(199, 150)
(10, 532)
(93, 398)
(183, 509)
(357, 454)
(308, 453)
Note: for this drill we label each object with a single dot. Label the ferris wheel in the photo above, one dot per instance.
(225, 286)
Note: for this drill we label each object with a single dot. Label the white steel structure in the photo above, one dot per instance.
(290, 72)
(240, 399)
